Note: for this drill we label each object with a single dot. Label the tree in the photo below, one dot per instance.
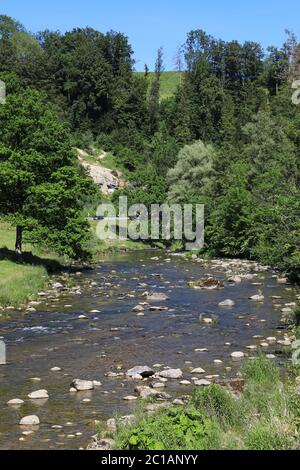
(154, 95)
(42, 187)
(193, 174)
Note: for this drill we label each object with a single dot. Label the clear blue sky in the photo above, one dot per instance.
(155, 23)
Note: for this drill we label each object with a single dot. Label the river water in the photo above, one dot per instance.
(116, 339)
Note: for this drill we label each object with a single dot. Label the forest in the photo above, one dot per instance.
(229, 137)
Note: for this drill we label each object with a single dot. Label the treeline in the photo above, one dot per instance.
(229, 137)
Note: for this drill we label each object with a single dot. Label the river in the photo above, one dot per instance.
(116, 339)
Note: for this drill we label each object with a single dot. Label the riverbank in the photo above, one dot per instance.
(263, 413)
(20, 282)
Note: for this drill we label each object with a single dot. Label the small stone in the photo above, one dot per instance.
(15, 402)
(185, 382)
(202, 383)
(27, 433)
(178, 402)
(39, 395)
(218, 362)
(86, 400)
(171, 374)
(199, 370)
(82, 385)
(157, 297)
(158, 385)
(138, 308)
(143, 371)
(227, 303)
(96, 383)
(236, 356)
(82, 317)
(130, 398)
(31, 420)
(55, 369)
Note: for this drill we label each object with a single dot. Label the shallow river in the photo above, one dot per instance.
(118, 338)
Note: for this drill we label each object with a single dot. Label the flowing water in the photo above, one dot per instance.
(117, 339)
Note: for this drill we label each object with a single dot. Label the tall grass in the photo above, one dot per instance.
(260, 419)
(19, 283)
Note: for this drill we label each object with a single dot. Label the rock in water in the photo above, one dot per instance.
(82, 385)
(207, 284)
(236, 356)
(39, 395)
(227, 303)
(199, 370)
(202, 383)
(32, 420)
(157, 297)
(257, 298)
(15, 402)
(143, 371)
(171, 374)
(138, 309)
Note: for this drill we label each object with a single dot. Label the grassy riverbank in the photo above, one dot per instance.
(266, 416)
(21, 281)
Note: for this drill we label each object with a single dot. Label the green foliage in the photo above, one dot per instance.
(193, 173)
(173, 429)
(42, 188)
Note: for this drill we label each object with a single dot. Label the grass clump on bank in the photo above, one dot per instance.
(19, 283)
(21, 280)
(262, 418)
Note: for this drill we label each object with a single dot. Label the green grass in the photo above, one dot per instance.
(169, 82)
(264, 417)
(21, 281)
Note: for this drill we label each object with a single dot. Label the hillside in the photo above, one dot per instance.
(169, 82)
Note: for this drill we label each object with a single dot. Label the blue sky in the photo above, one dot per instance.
(152, 24)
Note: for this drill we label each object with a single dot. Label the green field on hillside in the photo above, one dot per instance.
(169, 82)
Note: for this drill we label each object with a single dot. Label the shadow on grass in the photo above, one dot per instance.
(50, 265)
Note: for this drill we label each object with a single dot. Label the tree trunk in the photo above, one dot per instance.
(19, 234)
